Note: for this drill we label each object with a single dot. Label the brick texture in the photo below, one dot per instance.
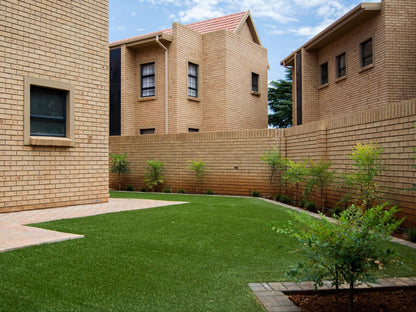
(64, 41)
(233, 156)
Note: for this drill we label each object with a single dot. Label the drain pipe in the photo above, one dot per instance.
(166, 84)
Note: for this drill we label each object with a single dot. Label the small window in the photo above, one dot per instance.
(193, 130)
(324, 73)
(254, 82)
(341, 65)
(367, 52)
(148, 80)
(147, 131)
(47, 112)
(192, 80)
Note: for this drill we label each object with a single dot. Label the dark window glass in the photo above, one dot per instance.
(148, 80)
(341, 65)
(254, 82)
(324, 73)
(367, 52)
(192, 80)
(147, 131)
(47, 112)
(193, 130)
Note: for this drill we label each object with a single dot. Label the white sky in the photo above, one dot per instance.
(283, 25)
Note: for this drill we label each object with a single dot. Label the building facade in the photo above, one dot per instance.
(205, 76)
(364, 60)
(53, 103)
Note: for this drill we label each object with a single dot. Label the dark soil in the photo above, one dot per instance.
(387, 300)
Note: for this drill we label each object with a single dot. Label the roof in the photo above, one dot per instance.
(352, 19)
(231, 22)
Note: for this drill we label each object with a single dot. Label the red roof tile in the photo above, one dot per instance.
(228, 22)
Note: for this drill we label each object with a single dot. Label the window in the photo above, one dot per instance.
(192, 80)
(193, 130)
(324, 73)
(48, 112)
(367, 52)
(341, 65)
(147, 131)
(148, 80)
(254, 82)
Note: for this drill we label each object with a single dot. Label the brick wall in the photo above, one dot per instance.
(233, 156)
(64, 42)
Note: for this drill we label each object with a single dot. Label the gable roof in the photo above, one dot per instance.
(232, 22)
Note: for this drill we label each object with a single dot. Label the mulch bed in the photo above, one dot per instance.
(380, 300)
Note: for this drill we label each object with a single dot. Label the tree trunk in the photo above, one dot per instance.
(351, 298)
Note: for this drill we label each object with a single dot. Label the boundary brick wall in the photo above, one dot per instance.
(61, 42)
(233, 156)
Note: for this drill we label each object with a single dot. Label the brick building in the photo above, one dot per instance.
(364, 60)
(53, 103)
(205, 76)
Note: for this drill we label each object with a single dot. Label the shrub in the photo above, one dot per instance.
(199, 169)
(350, 250)
(143, 189)
(167, 190)
(284, 199)
(119, 165)
(276, 164)
(255, 194)
(308, 205)
(154, 173)
(411, 234)
(319, 176)
(209, 192)
(295, 174)
(129, 188)
(181, 191)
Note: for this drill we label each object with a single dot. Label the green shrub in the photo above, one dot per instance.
(181, 191)
(167, 190)
(295, 174)
(209, 192)
(318, 175)
(129, 188)
(143, 189)
(119, 165)
(350, 250)
(255, 194)
(154, 173)
(200, 170)
(284, 199)
(308, 205)
(276, 163)
(411, 234)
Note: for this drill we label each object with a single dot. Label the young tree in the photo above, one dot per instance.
(350, 250)
(319, 176)
(200, 170)
(154, 173)
(295, 174)
(119, 165)
(368, 165)
(276, 163)
(280, 102)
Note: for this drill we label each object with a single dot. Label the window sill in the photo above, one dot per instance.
(340, 79)
(255, 93)
(365, 68)
(149, 98)
(325, 85)
(51, 141)
(190, 98)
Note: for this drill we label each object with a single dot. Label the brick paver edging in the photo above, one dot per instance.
(272, 295)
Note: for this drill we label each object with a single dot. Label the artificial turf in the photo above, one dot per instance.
(198, 256)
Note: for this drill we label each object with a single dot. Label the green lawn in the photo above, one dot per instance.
(192, 257)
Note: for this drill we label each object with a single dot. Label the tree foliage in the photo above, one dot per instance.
(276, 163)
(154, 173)
(119, 165)
(200, 170)
(319, 176)
(280, 102)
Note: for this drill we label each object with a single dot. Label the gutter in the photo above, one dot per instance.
(166, 83)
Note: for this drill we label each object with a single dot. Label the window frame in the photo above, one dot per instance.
(255, 82)
(142, 77)
(147, 131)
(364, 56)
(193, 77)
(321, 77)
(49, 140)
(339, 68)
(193, 130)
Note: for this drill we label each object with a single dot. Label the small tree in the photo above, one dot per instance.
(368, 165)
(154, 173)
(350, 250)
(319, 176)
(295, 174)
(200, 170)
(119, 165)
(276, 163)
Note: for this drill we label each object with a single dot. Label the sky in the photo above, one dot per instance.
(282, 25)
